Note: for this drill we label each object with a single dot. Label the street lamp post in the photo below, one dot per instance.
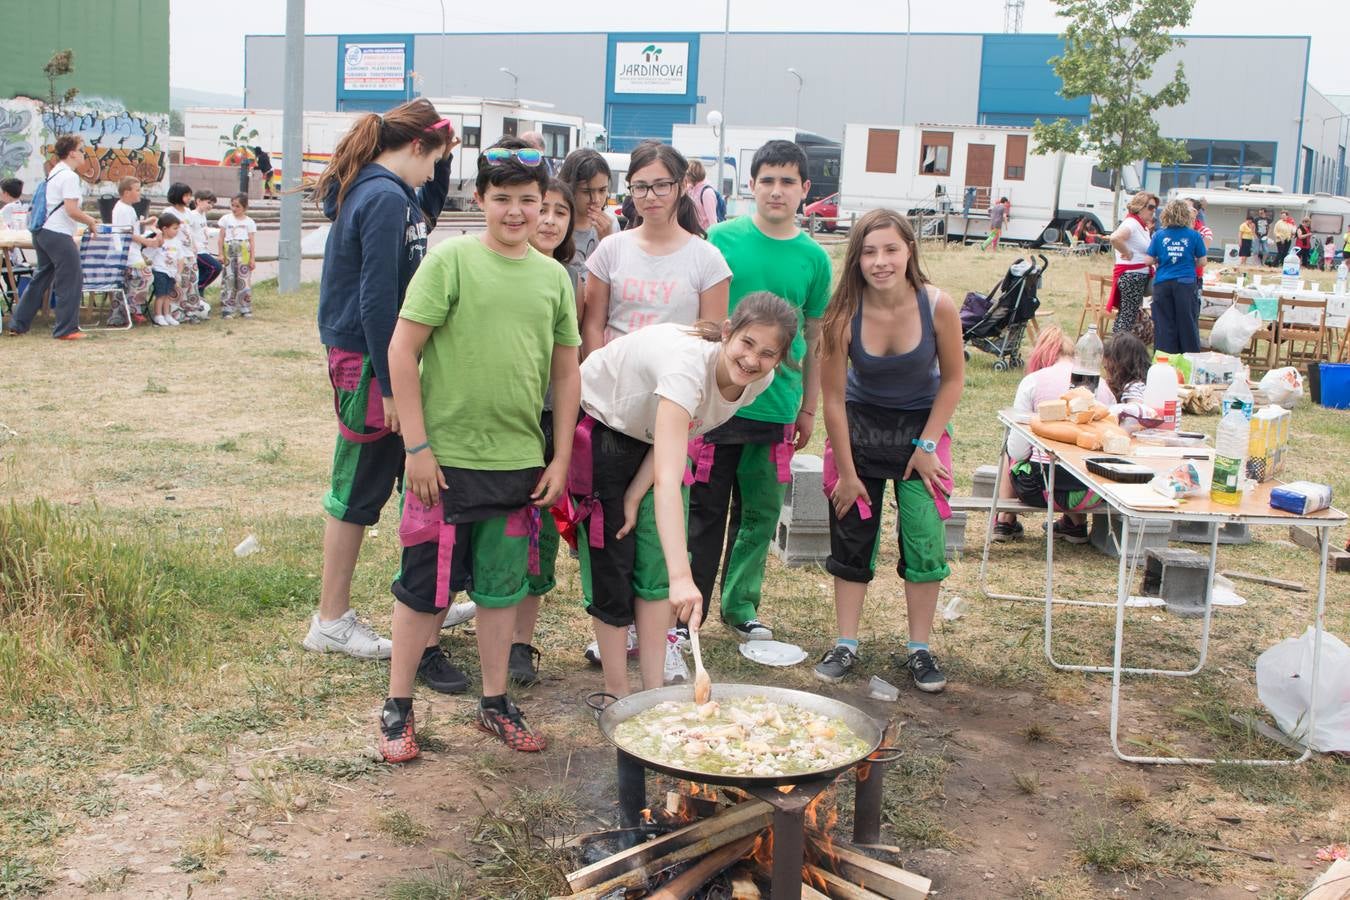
(717, 126)
(715, 120)
(515, 82)
(797, 110)
(904, 89)
(440, 82)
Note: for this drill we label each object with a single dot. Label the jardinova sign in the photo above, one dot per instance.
(652, 67)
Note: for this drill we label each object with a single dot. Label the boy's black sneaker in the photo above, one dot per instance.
(923, 668)
(1008, 531)
(1071, 532)
(523, 665)
(437, 673)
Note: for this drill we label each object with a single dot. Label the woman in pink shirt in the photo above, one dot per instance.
(703, 194)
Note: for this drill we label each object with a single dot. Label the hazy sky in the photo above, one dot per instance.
(222, 67)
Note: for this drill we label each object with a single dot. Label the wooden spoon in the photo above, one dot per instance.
(702, 680)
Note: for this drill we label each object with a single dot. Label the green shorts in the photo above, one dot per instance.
(634, 568)
(549, 542)
(363, 473)
(490, 559)
(855, 541)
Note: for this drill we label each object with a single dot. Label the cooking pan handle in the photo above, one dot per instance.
(885, 755)
(592, 700)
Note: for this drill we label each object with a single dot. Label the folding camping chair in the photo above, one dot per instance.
(103, 263)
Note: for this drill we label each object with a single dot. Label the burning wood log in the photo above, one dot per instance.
(876, 877)
(810, 893)
(743, 885)
(690, 806)
(682, 886)
(631, 868)
(836, 887)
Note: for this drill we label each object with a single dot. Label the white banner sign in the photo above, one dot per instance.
(651, 68)
(373, 67)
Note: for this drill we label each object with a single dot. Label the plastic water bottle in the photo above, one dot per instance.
(1342, 274)
(1087, 361)
(1290, 275)
(1239, 396)
(1160, 393)
(1230, 451)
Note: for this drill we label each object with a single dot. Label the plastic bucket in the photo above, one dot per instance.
(1334, 385)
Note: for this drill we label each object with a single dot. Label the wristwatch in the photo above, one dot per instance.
(926, 446)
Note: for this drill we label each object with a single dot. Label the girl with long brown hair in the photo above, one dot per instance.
(891, 374)
(383, 189)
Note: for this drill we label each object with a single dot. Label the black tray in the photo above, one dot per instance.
(1116, 469)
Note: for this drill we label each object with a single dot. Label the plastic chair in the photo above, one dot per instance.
(103, 264)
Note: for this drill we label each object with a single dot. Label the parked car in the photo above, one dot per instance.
(827, 208)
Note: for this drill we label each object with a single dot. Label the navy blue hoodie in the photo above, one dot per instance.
(375, 245)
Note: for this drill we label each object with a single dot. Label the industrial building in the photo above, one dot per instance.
(1271, 128)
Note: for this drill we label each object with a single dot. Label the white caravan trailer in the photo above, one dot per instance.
(221, 136)
(1225, 210)
(949, 168)
(700, 142)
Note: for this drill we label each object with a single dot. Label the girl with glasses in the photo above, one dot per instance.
(655, 273)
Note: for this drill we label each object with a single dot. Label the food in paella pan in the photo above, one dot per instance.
(752, 736)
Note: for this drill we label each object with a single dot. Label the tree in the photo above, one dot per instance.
(1110, 49)
(61, 65)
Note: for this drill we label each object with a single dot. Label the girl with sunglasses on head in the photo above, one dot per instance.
(383, 190)
(660, 271)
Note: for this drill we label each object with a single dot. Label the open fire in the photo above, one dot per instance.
(743, 844)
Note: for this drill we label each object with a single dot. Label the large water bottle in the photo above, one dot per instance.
(1087, 361)
(1239, 396)
(1160, 393)
(1230, 452)
(1342, 274)
(1290, 274)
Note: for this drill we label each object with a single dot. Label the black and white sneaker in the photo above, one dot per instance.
(837, 662)
(752, 630)
(437, 673)
(923, 668)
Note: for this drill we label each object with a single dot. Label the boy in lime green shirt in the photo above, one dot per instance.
(492, 321)
(745, 464)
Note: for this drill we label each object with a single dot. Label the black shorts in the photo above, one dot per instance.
(164, 285)
(615, 575)
(1030, 479)
(1245, 247)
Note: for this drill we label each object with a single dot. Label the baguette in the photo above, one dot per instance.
(1052, 410)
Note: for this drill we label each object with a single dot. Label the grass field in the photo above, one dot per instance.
(163, 729)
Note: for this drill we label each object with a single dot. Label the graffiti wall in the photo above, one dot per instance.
(117, 142)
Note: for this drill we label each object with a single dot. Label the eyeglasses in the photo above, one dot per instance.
(526, 156)
(1152, 206)
(659, 188)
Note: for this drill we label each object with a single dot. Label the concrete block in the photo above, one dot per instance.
(1198, 532)
(1105, 536)
(805, 502)
(956, 534)
(1179, 577)
(982, 484)
(799, 546)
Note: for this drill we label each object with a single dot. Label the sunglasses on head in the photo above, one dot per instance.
(526, 156)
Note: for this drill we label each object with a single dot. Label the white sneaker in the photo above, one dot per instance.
(171, 321)
(159, 320)
(675, 669)
(460, 613)
(347, 635)
(592, 651)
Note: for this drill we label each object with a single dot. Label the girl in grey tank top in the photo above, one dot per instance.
(887, 415)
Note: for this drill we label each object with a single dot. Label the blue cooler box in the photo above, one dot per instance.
(1335, 385)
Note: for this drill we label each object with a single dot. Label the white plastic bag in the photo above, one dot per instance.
(1283, 682)
(1283, 386)
(1233, 331)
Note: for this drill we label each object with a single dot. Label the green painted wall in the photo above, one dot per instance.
(121, 49)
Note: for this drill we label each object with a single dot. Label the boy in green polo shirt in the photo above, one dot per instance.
(745, 464)
(492, 321)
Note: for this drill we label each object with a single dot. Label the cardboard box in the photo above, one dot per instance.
(1268, 441)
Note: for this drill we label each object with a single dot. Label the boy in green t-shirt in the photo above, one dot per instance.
(745, 464)
(492, 321)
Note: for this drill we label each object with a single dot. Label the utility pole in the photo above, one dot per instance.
(292, 149)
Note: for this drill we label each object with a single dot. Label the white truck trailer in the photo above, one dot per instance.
(940, 169)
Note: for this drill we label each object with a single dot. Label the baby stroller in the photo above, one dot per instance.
(995, 323)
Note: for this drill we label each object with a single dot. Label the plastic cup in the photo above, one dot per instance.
(247, 547)
(879, 689)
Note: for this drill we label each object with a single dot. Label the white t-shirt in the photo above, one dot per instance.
(235, 229)
(166, 258)
(1136, 239)
(647, 290)
(196, 226)
(62, 185)
(124, 216)
(623, 382)
(14, 216)
(182, 240)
